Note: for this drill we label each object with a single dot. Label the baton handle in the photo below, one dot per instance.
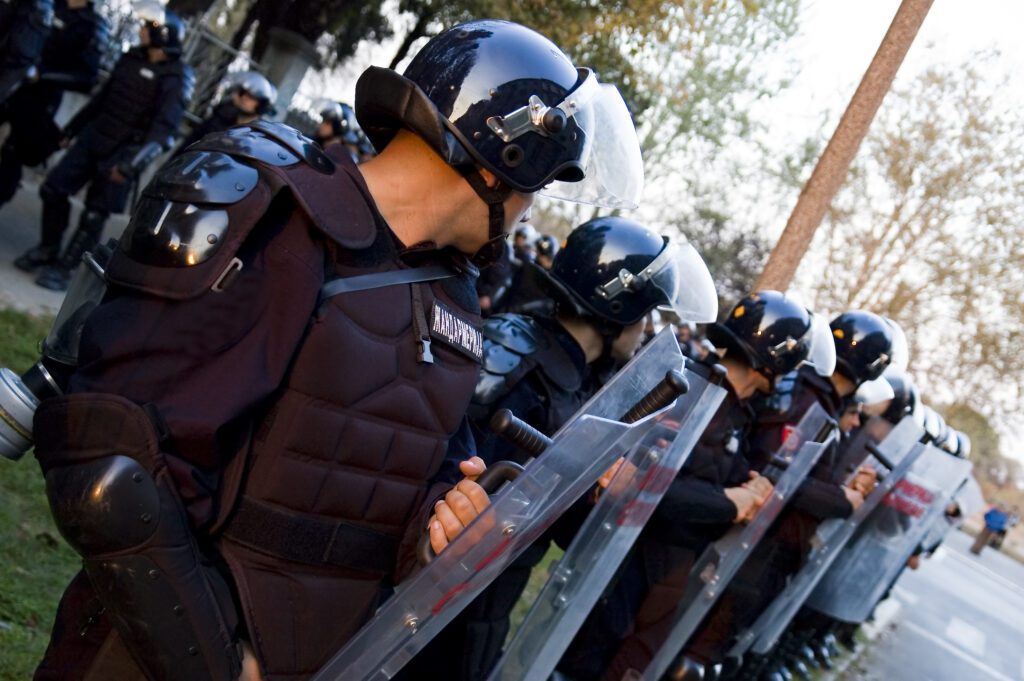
(520, 433)
(880, 455)
(660, 396)
(491, 480)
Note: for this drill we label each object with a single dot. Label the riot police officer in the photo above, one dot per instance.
(863, 349)
(289, 343)
(70, 61)
(250, 96)
(765, 335)
(24, 28)
(538, 367)
(338, 125)
(130, 122)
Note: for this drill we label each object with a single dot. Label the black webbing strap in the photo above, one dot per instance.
(365, 282)
(301, 538)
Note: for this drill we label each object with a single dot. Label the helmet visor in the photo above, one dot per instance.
(821, 349)
(900, 348)
(613, 171)
(686, 282)
(151, 11)
(874, 392)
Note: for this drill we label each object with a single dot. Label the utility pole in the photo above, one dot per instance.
(830, 172)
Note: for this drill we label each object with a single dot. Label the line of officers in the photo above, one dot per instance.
(48, 48)
(779, 359)
(327, 376)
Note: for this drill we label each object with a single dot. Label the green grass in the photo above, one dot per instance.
(35, 563)
(538, 578)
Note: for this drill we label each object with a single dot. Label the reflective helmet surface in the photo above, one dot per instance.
(547, 245)
(166, 29)
(904, 394)
(258, 87)
(617, 270)
(501, 96)
(863, 345)
(769, 329)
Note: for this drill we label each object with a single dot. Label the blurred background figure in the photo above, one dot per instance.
(70, 61)
(24, 28)
(249, 96)
(338, 125)
(125, 127)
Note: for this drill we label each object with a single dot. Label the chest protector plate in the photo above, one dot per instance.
(343, 455)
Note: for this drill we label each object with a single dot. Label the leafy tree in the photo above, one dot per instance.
(928, 231)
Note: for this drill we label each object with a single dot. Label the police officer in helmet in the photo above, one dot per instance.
(286, 350)
(539, 367)
(765, 335)
(70, 60)
(130, 122)
(863, 344)
(338, 125)
(249, 96)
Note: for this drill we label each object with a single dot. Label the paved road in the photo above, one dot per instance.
(960, 617)
(19, 231)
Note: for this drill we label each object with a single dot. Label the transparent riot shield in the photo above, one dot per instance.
(894, 456)
(720, 562)
(874, 557)
(605, 538)
(581, 452)
(966, 498)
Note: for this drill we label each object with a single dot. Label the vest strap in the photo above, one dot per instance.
(365, 282)
(311, 540)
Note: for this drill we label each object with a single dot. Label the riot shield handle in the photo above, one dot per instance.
(491, 480)
(881, 456)
(660, 396)
(505, 424)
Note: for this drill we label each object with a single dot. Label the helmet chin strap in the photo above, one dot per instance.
(495, 198)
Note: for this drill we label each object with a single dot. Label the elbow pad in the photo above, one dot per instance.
(114, 502)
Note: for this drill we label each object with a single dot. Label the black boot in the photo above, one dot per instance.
(58, 276)
(36, 257)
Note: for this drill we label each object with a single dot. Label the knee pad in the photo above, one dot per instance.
(92, 221)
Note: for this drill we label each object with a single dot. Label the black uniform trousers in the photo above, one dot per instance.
(33, 135)
(83, 164)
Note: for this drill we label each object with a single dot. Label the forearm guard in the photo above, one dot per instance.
(115, 503)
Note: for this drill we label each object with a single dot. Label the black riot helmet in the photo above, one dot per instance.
(343, 121)
(166, 29)
(497, 95)
(863, 345)
(547, 245)
(904, 394)
(259, 88)
(769, 330)
(615, 271)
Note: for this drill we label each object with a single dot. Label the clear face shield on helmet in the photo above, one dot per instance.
(681, 276)
(821, 348)
(150, 12)
(874, 395)
(686, 282)
(900, 355)
(612, 166)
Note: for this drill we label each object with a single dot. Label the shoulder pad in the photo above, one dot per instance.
(203, 177)
(508, 340)
(515, 332)
(275, 144)
(181, 219)
(331, 194)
